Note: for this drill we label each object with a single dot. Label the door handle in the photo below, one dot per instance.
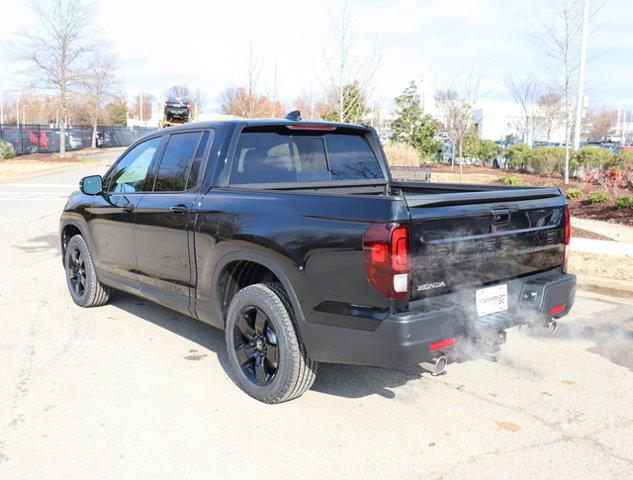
(128, 207)
(500, 215)
(180, 208)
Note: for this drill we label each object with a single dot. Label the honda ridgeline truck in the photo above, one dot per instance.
(293, 238)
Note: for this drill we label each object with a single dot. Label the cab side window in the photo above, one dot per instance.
(129, 174)
(181, 162)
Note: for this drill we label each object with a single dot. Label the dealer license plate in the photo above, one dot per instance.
(491, 299)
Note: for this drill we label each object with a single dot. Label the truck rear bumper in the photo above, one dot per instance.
(404, 339)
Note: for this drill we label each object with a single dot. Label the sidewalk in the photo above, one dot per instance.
(603, 266)
(614, 231)
(605, 247)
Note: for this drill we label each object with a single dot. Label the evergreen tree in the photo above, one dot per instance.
(412, 126)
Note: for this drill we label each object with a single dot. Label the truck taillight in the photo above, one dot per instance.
(567, 225)
(386, 248)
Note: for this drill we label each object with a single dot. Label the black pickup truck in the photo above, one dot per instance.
(292, 237)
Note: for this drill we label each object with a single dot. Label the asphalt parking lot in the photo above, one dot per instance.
(133, 390)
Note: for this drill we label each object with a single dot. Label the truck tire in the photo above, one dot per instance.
(84, 287)
(263, 346)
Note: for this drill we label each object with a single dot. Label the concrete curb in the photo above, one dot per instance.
(606, 286)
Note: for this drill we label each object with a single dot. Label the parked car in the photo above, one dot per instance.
(104, 139)
(38, 141)
(293, 238)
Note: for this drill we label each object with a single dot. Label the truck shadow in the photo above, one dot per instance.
(348, 381)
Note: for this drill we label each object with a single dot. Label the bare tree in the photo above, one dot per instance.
(348, 76)
(306, 105)
(54, 48)
(601, 124)
(144, 113)
(178, 91)
(456, 100)
(525, 93)
(558, 35)
(550, 113)
(240, 103)
(252, 71)
(246, 100)
(197, 98)
(99, 84)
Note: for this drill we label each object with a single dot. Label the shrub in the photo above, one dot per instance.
(513, 180)
(592, 157)
(547, 160)
(598, 196)
(483, 150)
(624, 202)
(572, 193)
(623, 159)
(518, 155)
(402, 155)
(6, 150)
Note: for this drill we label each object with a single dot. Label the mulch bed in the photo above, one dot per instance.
(605, 212)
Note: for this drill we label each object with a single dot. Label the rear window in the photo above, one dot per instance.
(276, 157)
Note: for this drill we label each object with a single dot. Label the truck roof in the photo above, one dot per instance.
(262, 122)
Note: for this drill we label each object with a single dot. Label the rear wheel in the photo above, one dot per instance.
(84, 287)
(263, 347)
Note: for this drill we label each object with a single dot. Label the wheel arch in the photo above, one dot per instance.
(68, 229)
(250, 260)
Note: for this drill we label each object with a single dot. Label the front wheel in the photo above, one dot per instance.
(84, 287)
(263, 347)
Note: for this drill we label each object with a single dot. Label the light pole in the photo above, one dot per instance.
(581, 73)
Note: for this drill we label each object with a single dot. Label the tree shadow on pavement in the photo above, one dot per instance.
(349, 381)
(42, 243)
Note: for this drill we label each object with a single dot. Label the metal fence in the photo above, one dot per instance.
(44, 139)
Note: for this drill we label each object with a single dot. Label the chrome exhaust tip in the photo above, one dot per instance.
(437, 366)
(552, 326)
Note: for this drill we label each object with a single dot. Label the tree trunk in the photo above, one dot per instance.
(62, 137)
(62, 125)
(461, 161)
(94, 132)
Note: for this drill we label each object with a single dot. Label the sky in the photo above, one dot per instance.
(205, 44)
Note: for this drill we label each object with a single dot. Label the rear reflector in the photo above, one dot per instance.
(557, 309)
(447, 342)
(306, 126)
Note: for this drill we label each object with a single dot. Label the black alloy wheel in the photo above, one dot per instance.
(263, 348)
(83, 285)
(76, 269)
(256, 345)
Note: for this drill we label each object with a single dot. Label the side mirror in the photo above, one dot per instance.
(91, 185)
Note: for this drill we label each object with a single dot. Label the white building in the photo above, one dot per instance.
(498, 120)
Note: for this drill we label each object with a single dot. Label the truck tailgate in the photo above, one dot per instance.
(482, 239)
